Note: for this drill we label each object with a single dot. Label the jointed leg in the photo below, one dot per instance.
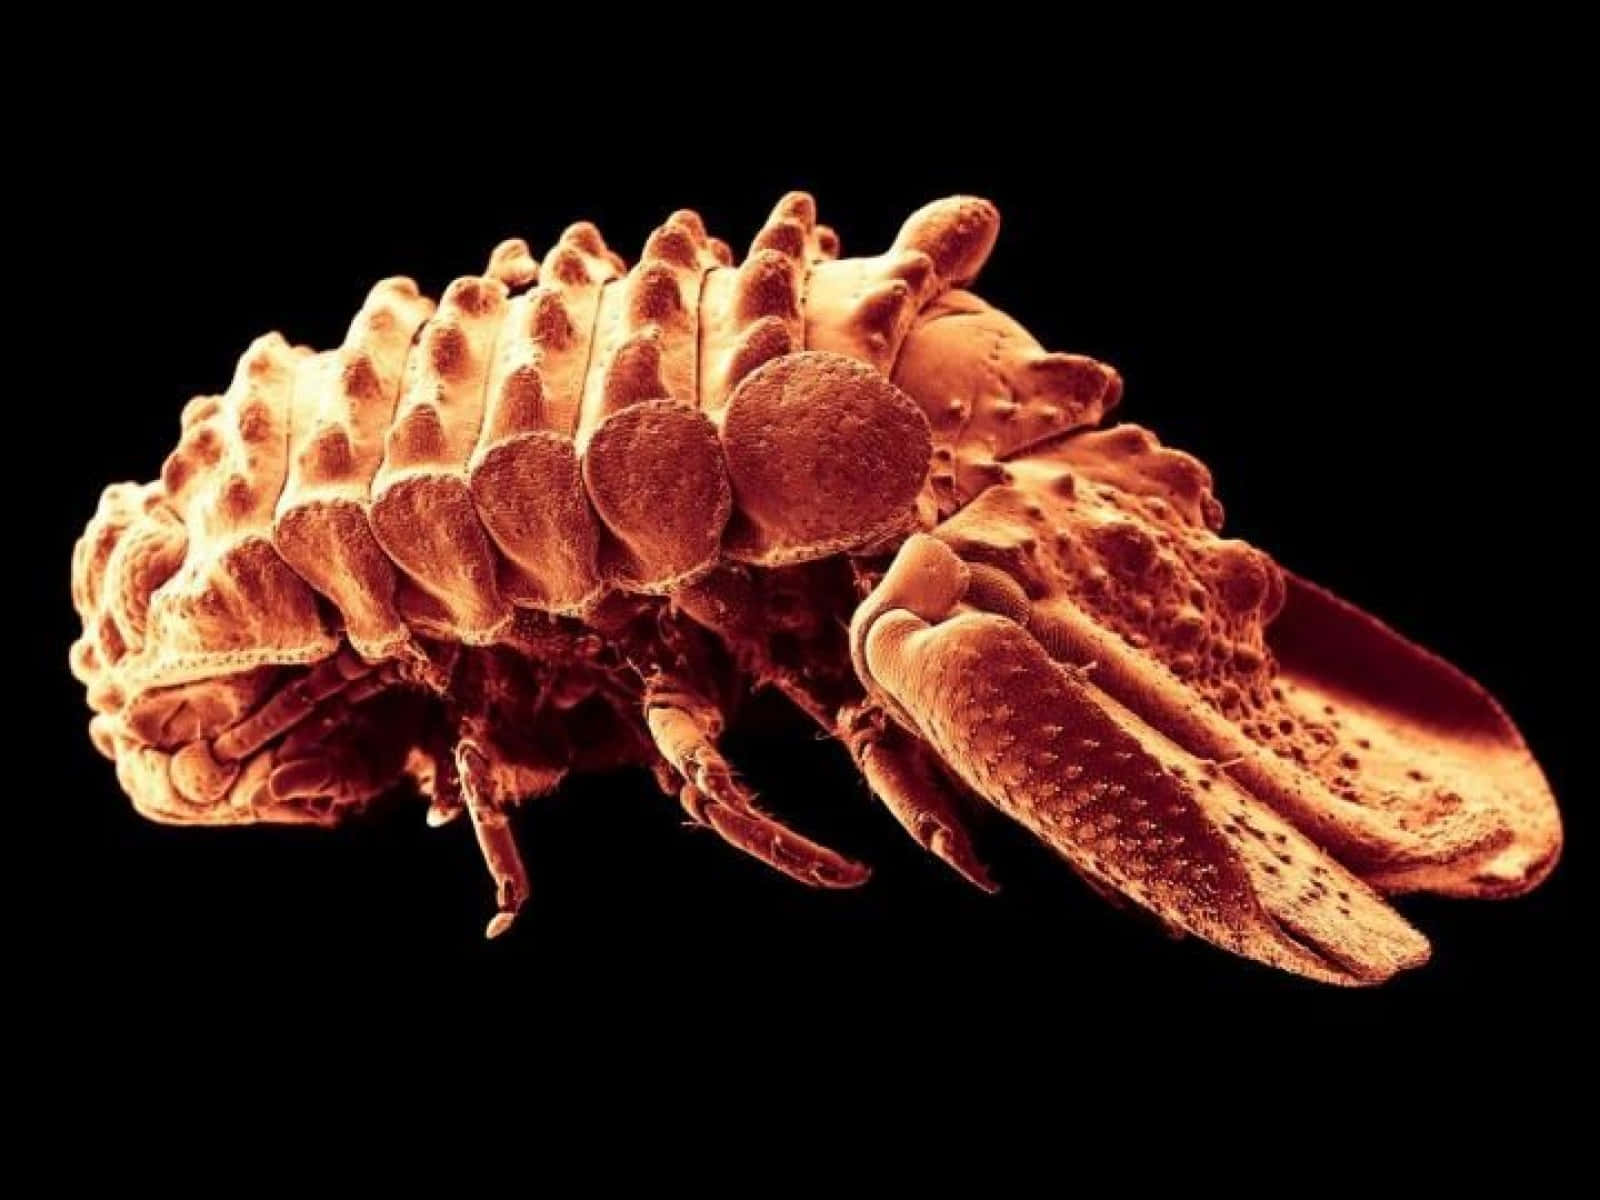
(492, 824)
(432, 766)
(291, 705)
(903, 774)
(684, 730)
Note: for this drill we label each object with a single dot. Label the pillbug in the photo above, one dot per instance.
(570, 516)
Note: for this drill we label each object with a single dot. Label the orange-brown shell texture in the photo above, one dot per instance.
(567, 516)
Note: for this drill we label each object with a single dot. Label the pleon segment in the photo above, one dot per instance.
(343, 405)
(753, 314)
(524, 473)
(652, 465)
(134, 543)
(646, 333)
(422, 509)
(575, 274)
(234, 603)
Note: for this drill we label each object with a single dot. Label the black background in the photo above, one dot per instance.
(1339, 300)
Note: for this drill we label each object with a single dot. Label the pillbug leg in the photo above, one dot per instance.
(491, 823)
(350, 751)
(915, 790)
(435, 772)
(684, 732)
(444, 805)
(292, 704)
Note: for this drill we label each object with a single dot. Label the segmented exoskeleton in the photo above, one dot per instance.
(568, 518)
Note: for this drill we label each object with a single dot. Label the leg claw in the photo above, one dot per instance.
(712, 796)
